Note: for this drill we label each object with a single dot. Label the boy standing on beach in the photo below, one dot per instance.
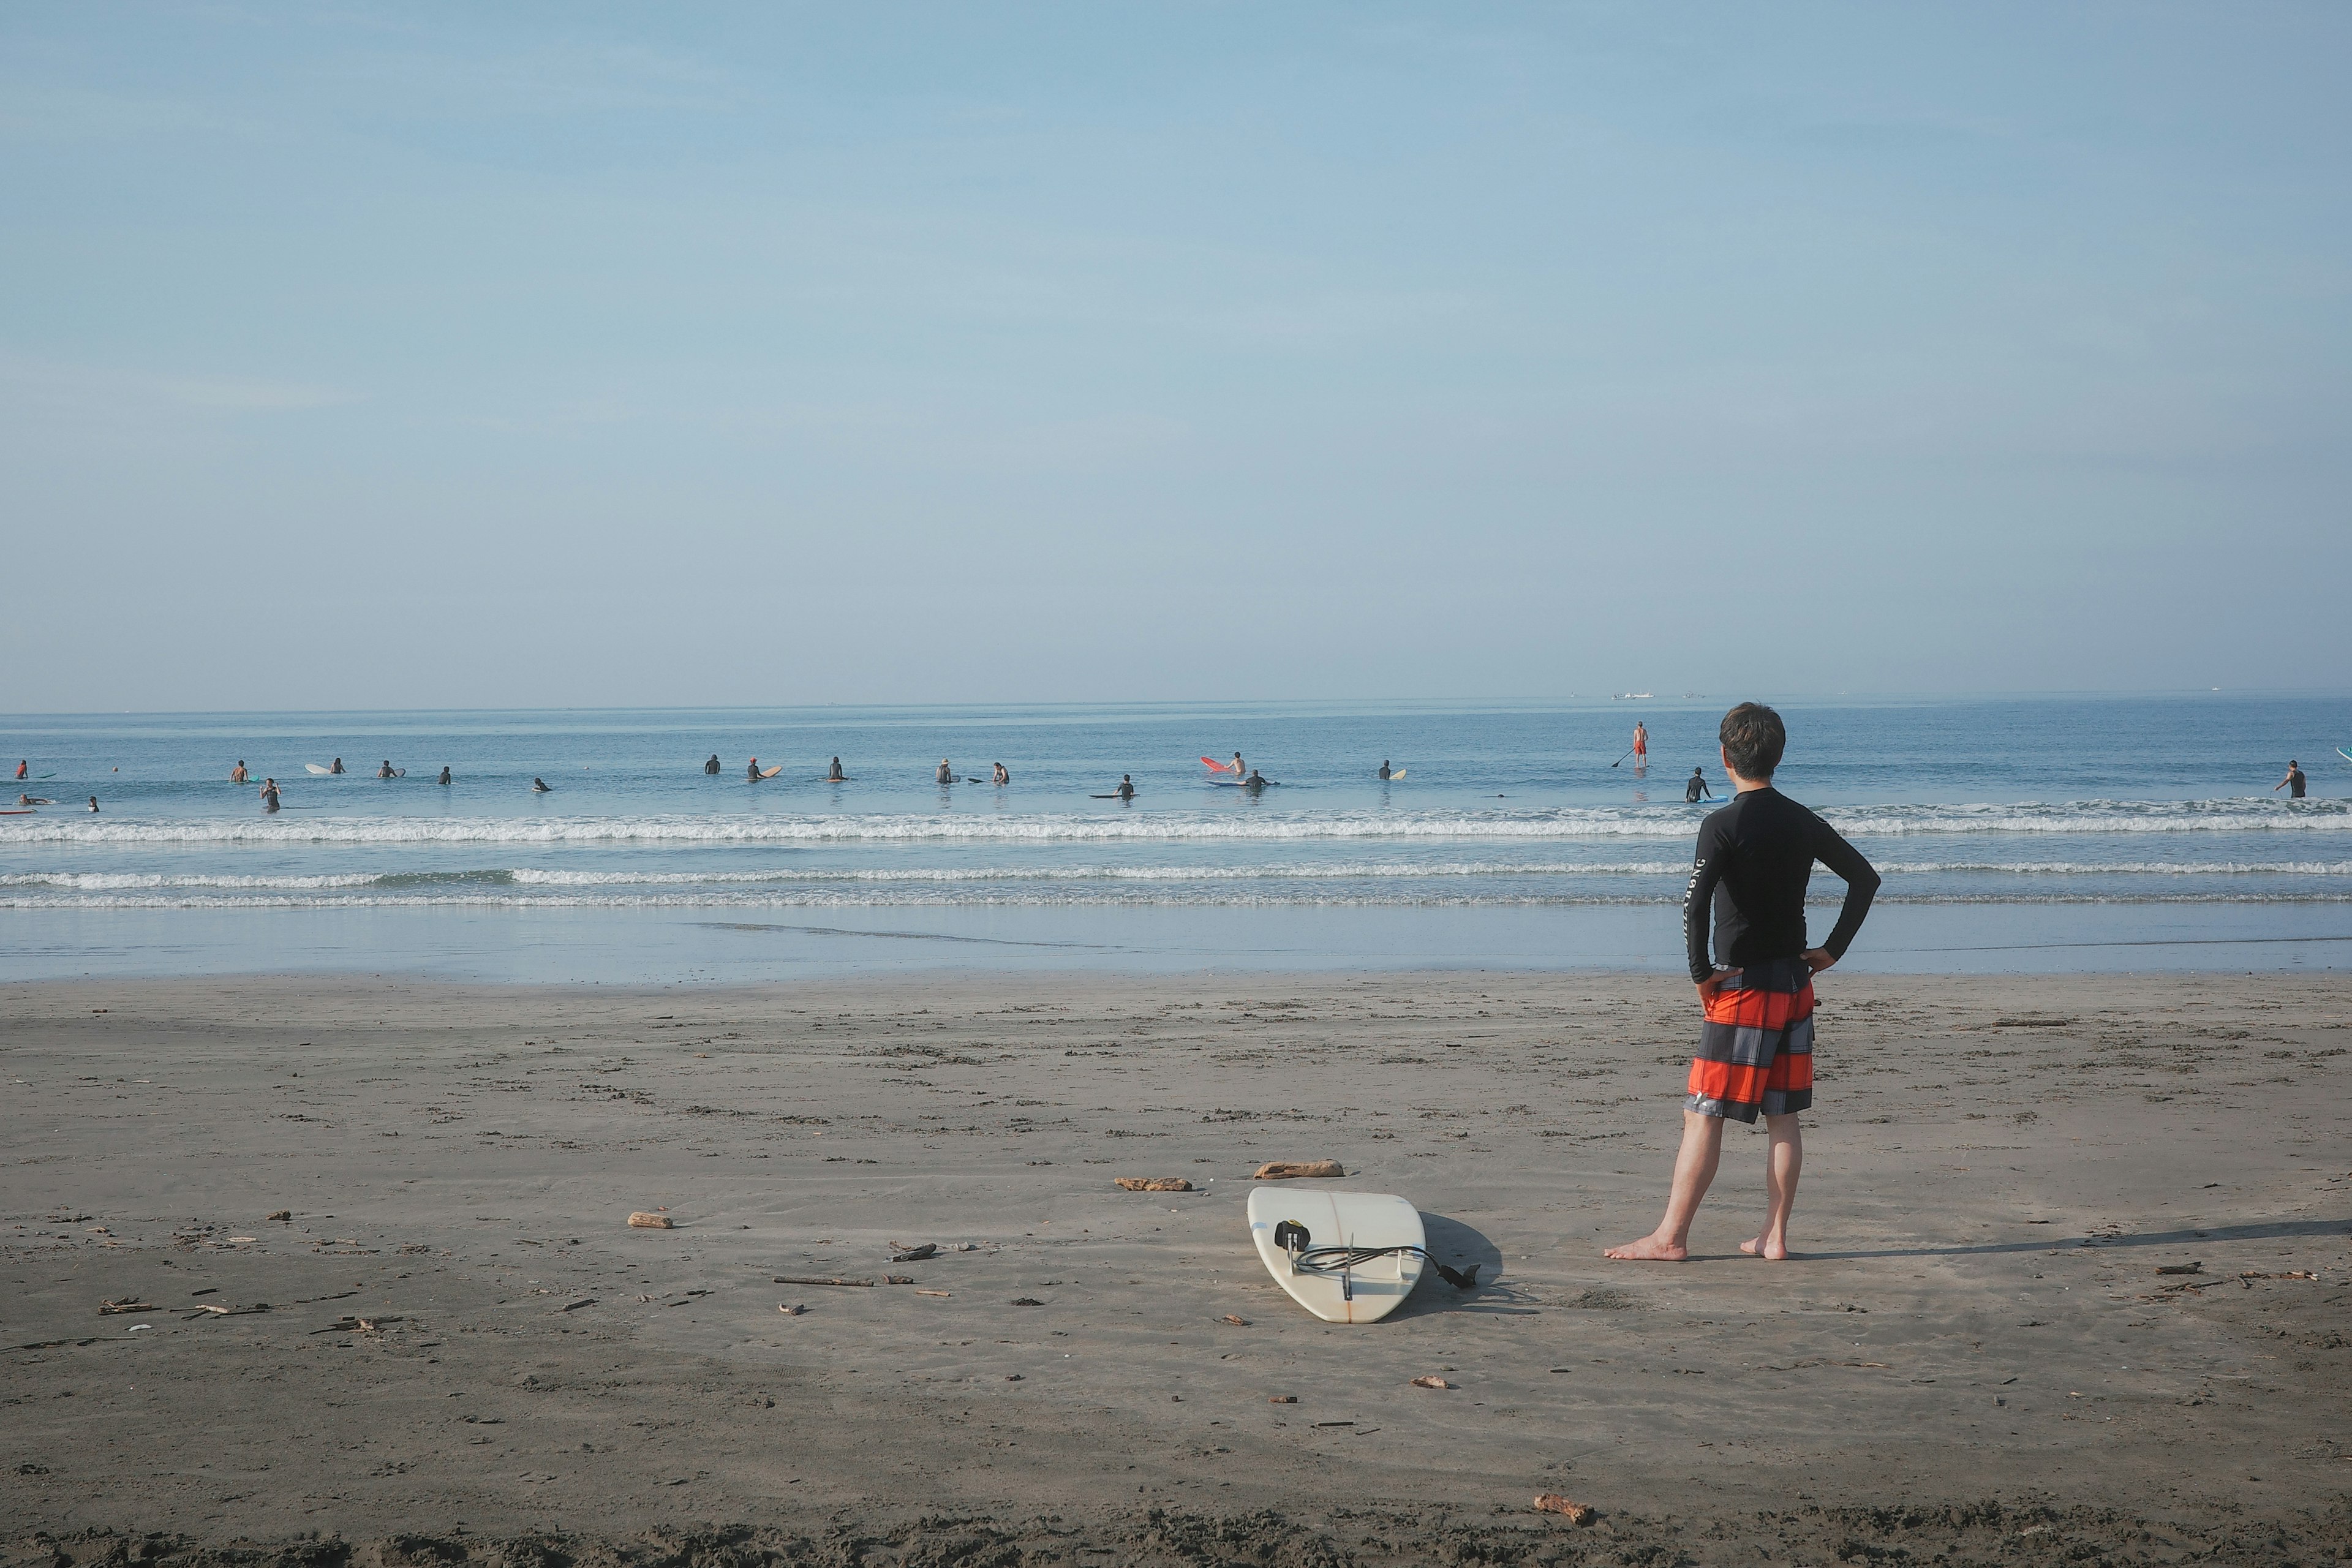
(1756, 1048)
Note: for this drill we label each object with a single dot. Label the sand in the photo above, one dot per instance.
(1974, 1354)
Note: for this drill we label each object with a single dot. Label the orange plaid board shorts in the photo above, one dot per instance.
(1756, 1048)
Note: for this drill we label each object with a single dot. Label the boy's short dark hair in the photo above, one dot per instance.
(1753, 739)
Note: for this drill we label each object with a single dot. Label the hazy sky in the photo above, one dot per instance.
(481, 355)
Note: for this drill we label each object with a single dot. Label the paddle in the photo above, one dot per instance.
(1629, 752)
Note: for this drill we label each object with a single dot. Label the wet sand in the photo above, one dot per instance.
(1975, 1353)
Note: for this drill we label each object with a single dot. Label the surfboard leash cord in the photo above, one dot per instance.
(1345, 1260)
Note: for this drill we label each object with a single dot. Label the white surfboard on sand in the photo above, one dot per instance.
(1347, 1257)
(316, 769)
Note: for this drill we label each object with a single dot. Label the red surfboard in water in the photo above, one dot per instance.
(1216, 766)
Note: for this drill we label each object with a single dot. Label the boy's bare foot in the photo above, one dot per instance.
(1772, 1250)
(1649, 1249)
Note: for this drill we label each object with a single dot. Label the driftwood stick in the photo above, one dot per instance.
(815, 1279)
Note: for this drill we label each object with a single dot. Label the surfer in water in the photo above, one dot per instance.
(1238, 771)
(537, 785)
(946, 775)
(20, 767)
(1126, 790)
(237, 774)
(751, 771)
(93, 803)
(711, 767)
(1003, 778)
(833, 774)
(1255, 782)
(269, 795)
(445, 775)
(1641, 745)
(1384, 769)
(35, 800)
(384, 771)
(2294, 784)
(1755, 1047)
(338, 766)
(1696, 790)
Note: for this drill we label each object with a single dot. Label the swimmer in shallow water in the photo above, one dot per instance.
(1384, 768)
(946, 775)
(338, 767)
(35, 800)
(445, 776)
(385, 771)
(93, 803)
(269, 795)
(538, 785)
(237, 774)
(1003, 778)
(711, 766)
(1696, 790)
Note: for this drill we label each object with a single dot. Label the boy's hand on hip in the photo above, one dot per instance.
(1819, 958)
(1714, 983)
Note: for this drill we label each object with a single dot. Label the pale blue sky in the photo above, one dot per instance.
(568, 354)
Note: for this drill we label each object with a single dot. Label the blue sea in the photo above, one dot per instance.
(2093, 832)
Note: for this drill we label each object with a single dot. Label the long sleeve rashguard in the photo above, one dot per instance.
(1755, 856)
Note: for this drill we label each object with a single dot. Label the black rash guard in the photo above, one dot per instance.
(1755, 856)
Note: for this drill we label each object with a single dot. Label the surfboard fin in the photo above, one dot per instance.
(1460, 1278)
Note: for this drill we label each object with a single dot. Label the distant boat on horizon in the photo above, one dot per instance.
(1632, 696)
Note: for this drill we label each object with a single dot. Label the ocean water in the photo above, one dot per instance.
(2123, 820)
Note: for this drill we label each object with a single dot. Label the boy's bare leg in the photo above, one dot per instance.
(1694, 1172)
(1782, 1163)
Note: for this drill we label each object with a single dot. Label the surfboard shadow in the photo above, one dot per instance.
(1459, 1246)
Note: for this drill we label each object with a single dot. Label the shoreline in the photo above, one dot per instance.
(1996, 1170)
(702, 945)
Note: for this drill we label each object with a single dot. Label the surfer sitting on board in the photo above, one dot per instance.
(1755, 1047)
(2294, 782)
(834, 774)
(537, 785)
(1696, 790)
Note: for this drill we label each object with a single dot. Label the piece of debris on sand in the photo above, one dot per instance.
(1295, 1170)
(643, 1221)
(1431, 1381)
(1552, 1503)
(1154, 1184)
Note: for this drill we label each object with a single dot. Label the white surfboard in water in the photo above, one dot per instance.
(316, 769)
(1331, 1251)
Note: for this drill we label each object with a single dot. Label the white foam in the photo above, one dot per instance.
(2094, 816)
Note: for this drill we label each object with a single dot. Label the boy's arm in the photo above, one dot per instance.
(1861, 884)
(1699, 900)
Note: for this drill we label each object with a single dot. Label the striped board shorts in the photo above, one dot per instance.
(1756, 1048)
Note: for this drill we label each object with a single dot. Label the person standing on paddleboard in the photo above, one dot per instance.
(2294, 784)
(1756, 1048)
(1640, 746)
